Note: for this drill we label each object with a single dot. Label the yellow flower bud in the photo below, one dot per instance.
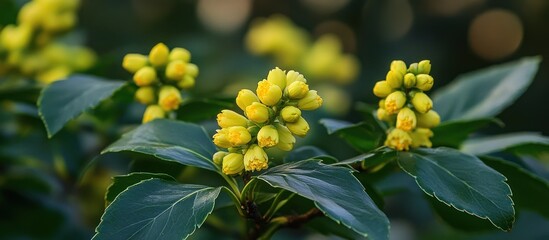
(15, 37)
(394, 79)
(192, 70)
(233, 164)
(422, 103)
(257, 112)
(409, 80)
(180, 54)
(424, 82)
(145, 95)
(187, 82)
(175, 70)
(53, 74)
(430, 119)
(399, 140)
(383, 115)
(381, 103)
(31, 13)
(58, 22)
(406, 119)
(218, 157)
(286, 140)
(398, 66)
(268, 92)
(245, 98)
(145, 76)
(267, 136)
(382, 89)
(84, 58)
(293, 76)
(394, 102)
(133, 62)
(311, 101)
(153, 112)
(297, 90)
(221, 138)
(424, 67)
(420, 137)
(228, 118)
(159, 55)
(413, 68)
(290, 114)
(169, 98)
(277, 77)
(299, 128)
(255, 159)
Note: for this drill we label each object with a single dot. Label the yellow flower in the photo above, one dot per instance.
(245, 98)
(267, 136)
(406, 119)
(54, 74)
(180, 54)
(290, 114)
(153, 112)
(255, 159)
(299, 128)
(424, 67)
(409, 80)
(145, 76)
(422, 103)
(420, 137)
(413, 68)
(311, 101)
(381, 103)
(399, 140)
(15, 37)
(133, 62)
(429, 119)
(297, 90)
(159, 55)
(382, 89)
(145, 95)
(394, 79)
(394, 102)
(286, 140)
(293, 76)
(257, 112)
(175, 70)
(238, 136)
(192, 70)
(233, 163)
(169, 98)
(277, 77)
(424, 82)
(398, 66)
(268, 92)
(383, 115)
(228, 118)
(221, 138)
(187, 82)
(218, 157)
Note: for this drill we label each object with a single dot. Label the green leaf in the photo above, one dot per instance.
(497, 143)
(529, 191)
(363, 136)
(374, 158)
(157, 209)
(487, 92)
(202, 109)
(460, 220)
(121, 183)
(64, 100)
(169, 140)
(335, 191)
(309, 152)
(453, 133)
(461, 181)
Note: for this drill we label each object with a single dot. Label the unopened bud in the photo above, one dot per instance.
(311, 101)
(180, 54)
(186, 82)
(413, 68)
(398, 66)
(257, 112)
(133, 62)
(233, 164)
(286, 140)
(192, 70)
(382, 89)
(153, 112)
(169, 98)
(300, 128)
(424, 67)
(429, 119)
(422, 103)
(290, 114)
(159, 55)
(245, 98)
(145, 76)
(394, 79)
(277, 77)
(175, 70)
(145, 95)
(409, 80)
(218, 157)
(228, 118)
(424, 82)
(293, 76)
(394, 102)
(268, 92)
(297, 90)
(238, 136)
(383, 115)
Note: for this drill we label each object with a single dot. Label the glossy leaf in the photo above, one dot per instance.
(121, 183)
(461, 181)
(379, 156)
(454, 133)
(64, 100)
(169, 140)
(363, 136)
(529, 191)
(335, 191)
(486, 92)
(497, 143)
(157, 209)
(309, 152)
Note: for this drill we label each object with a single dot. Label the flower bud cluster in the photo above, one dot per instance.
(405, 106)
(28, 48)
(160, 76)
(272, 116)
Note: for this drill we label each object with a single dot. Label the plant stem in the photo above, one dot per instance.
(236, 200)
(246, 188)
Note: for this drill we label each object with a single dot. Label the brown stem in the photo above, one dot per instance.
(294, 221)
